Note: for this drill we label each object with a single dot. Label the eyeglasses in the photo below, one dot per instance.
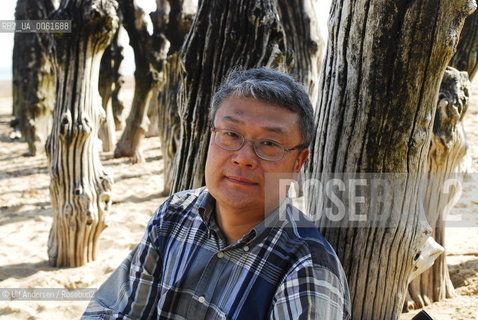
(265, 149)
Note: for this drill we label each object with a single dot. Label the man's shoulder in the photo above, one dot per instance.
(187, 197)
(311, 242)
(182, 203)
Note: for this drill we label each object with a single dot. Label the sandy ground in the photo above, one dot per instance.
(26, 216)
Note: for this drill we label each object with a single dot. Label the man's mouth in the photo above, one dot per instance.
(241, 180)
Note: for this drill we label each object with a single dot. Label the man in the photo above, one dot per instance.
(227, 251)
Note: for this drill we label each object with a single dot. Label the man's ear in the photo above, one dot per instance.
(301, 159)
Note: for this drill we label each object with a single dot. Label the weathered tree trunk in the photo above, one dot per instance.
(169, 122)
(33, 80)
(304, 39)
(222, 39)
(378, 93)
(145, 76)
(109, 79)
(466, 56)
(447, 151)
(173, 23)
(80, 186)
(153, 115)
(116, 103)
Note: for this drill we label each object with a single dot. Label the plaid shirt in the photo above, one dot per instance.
(184, 268)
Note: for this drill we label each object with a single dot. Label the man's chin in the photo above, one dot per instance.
(238, 197)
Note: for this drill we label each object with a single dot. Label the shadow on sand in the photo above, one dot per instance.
(24, 270)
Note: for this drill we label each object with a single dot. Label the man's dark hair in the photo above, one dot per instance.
(272, 87)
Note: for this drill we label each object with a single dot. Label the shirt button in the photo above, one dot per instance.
(202, 299)
(246, 248)
(220, 255)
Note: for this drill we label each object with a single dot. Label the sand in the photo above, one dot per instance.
(26, 217)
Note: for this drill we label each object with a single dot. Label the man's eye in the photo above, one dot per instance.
(231, 134)
(268, 143)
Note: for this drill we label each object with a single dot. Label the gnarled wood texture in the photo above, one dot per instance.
(466, 56)
(174, 26)
(447, 152)
(80, 186)
(33, 81)
(304, 39)
(378, 92)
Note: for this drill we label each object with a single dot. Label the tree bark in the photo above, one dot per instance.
(145, 76)
(169, 124)
(80, 186)
(379, 86)
(153, 115)
(221, 39)
(173, 20)
(304, 40)
(116, 103)
(110, 80)
(447, 152)
(33, 81)
(466, 56)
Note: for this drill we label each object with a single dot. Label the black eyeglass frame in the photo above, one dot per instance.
(254, 142)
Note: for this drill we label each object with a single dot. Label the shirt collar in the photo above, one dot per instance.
(206, 206)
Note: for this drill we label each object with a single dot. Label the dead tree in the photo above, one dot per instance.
(110, 81)
(304, 40)
(169, 123)
(173, 23)
(221, 39)
(33, 80)
(116, 103)
(153, 115)
(447, 152)
(466, 56)
(378, 92)
(145, 76)
(80, 186)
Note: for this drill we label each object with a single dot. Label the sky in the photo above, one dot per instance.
(7, 11)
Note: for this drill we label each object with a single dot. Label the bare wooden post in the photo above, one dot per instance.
(33, 80)
(80, 186)
(375, 114)
(447, 152)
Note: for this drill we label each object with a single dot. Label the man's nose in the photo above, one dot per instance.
(246, 156)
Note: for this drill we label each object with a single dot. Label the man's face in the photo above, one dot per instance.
(236, 179)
